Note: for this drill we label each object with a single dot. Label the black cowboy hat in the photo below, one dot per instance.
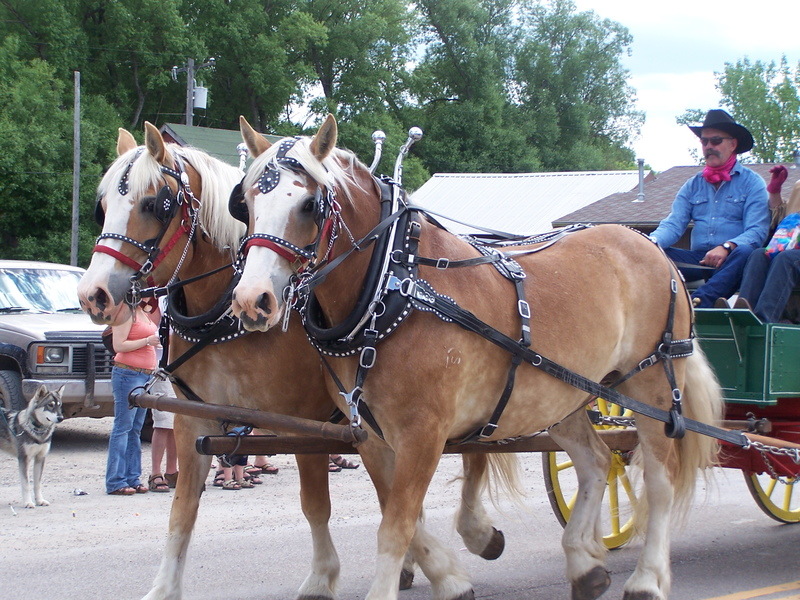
(719, 119)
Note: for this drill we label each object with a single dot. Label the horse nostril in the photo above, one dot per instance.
(263, 303)
(100, 299)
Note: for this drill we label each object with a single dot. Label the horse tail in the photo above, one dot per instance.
(703, 402)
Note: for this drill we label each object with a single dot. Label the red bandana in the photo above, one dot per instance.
(716, 175)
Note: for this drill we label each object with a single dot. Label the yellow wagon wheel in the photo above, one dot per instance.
(778, 498)
(620, 498)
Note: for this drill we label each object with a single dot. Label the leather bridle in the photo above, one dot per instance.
(167, 205)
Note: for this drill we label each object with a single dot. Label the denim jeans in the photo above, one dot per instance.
(124, 465)
(720, 283)
(768, 283)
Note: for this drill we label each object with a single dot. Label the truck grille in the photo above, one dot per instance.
(103, 360)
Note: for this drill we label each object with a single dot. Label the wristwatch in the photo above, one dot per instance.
(728, 246)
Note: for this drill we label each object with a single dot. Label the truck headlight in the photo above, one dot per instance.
(50, 354)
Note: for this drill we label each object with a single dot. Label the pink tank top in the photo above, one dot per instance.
(145, 357)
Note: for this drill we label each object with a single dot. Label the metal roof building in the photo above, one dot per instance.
(219, 143)
(522, 203)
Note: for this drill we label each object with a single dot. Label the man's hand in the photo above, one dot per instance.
(779, 175)
(715, 257)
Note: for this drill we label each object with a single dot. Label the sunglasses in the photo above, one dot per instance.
(714, 141)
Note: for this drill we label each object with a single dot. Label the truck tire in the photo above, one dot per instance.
(11, 391)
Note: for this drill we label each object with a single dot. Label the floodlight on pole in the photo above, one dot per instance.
(191, 85)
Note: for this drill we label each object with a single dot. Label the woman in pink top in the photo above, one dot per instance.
(135, 342)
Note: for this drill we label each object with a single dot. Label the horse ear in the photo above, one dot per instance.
(256, 143)
(154, 142)
(125, 141)
(325, 140)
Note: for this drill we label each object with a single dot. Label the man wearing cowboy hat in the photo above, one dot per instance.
(727, 203)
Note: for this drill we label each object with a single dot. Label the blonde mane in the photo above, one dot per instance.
(218, 179)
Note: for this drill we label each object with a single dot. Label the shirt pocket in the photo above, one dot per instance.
(733, 206)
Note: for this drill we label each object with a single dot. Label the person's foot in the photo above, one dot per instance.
(342, 462)
(721, 303)
(742, 303)
(265, 469)
(123, 491)
(231, 484)
(157, 483)
(696, 302)
(141, 489)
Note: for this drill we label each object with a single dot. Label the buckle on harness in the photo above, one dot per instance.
(524, 309)
(442, 263)
(367, 358)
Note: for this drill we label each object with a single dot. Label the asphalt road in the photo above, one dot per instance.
(254, 544)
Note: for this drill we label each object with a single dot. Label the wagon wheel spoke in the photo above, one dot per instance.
(777, 498)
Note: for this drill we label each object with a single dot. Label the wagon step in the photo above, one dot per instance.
(616, 439)
(255, 418)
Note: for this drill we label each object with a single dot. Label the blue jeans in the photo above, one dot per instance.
(768, 283)
(719, 283)
(124, 465)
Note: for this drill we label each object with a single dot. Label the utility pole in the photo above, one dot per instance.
(76, 170)
(190, 69)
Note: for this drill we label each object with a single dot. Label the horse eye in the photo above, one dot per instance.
(148, 204)
(309, 206)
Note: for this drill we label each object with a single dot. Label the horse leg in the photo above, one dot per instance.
(472, 522)
(315, 500)
(415, 464)
(168, 583)
(652, 578)
(437, 561)
(582, 539)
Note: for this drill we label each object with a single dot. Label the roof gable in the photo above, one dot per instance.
(659, 193)
(219, 143)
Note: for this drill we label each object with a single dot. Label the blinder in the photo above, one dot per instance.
(166, 204)
(237, 205)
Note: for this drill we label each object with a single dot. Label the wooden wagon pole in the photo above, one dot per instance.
(616, 439)
(254, 418)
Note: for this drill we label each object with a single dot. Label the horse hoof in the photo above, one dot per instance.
(495, 547)
(469, 595)
(314, 598)
(592, 585)
(406, 579)
(640, 595)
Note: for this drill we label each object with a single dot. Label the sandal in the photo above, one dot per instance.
(172, 479)
(123, 491)
(333, 468)
(231, 484)
(341, 461)
(157, 483)
(245, 484)
(254, 479)
(265, 469)
(141, 489)
(219, 479)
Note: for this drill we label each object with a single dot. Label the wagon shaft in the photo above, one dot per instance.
(616, 439)
(254, 418)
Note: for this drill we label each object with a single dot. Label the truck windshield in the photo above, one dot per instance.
(40, 290)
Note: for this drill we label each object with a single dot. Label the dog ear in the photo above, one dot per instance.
(60, 391)
(41, 392)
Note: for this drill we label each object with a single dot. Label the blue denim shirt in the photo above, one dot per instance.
(736, 212)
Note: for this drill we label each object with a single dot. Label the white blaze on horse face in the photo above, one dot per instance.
(105, 274)
(258, 298)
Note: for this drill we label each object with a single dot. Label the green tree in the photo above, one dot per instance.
(765, 98)
(36, 126)
(572, 87)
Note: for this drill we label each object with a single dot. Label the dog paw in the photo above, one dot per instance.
(29, 504)
(42, 502)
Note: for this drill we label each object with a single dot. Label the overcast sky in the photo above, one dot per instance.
(678, 46)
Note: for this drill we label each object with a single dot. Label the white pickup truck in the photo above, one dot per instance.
(46, 338)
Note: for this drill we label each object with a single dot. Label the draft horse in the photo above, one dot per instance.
(164, 214)
(595, 302)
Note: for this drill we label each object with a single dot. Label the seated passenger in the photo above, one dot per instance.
(768, 280)
(727, 203)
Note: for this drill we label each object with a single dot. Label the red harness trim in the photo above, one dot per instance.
(295, 259)
(128, 261)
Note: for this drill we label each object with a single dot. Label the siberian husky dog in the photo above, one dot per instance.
(27, 434)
